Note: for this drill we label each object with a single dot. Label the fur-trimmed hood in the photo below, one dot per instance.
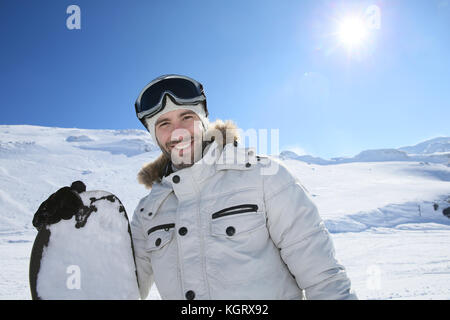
(154, 171)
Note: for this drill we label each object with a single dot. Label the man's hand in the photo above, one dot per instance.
(63, 204)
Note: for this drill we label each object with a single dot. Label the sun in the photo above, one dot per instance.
(352, 31)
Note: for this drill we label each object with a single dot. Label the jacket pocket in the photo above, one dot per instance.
(242, 208)
(165, 227)
(237, 223)
(158, 237)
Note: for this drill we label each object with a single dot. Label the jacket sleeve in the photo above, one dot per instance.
(298, 231)
(143, 266)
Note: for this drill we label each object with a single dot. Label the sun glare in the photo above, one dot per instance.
(352, 31)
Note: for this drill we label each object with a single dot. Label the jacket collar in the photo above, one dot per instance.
(155, 171)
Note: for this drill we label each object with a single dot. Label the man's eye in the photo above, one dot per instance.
(163, 124)
(187, 117)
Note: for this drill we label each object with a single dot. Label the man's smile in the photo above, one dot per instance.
(183, 145)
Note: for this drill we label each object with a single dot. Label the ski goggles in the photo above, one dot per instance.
(182, 89)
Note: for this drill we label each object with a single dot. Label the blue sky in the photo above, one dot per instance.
(264, 64)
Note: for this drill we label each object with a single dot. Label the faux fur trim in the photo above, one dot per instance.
(153, 171)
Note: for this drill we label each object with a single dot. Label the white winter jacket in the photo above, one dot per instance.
(232, 226)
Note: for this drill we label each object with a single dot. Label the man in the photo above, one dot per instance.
(215, 225)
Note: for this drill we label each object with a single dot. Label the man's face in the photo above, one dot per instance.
(179, 135)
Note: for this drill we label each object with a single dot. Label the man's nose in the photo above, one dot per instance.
(180, 134)
(177, 125)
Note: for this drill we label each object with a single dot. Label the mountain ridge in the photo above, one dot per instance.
(436, 150)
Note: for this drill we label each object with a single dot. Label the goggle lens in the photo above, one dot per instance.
(181, 88)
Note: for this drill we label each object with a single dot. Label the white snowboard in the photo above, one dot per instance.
(89, 256)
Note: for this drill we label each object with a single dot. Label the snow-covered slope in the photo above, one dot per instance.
(384, 208)
(36, 161)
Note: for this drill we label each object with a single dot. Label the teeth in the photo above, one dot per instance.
(182, 146)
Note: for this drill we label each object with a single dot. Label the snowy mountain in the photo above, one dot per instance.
(440, 145)
(384, 208)
(435, 151)
(381, 155)
(305, 158)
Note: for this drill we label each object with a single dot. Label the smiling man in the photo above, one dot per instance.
(179, 135)
(216, 225)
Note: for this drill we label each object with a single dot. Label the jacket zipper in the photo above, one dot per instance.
(163, 226)
(235, 210)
